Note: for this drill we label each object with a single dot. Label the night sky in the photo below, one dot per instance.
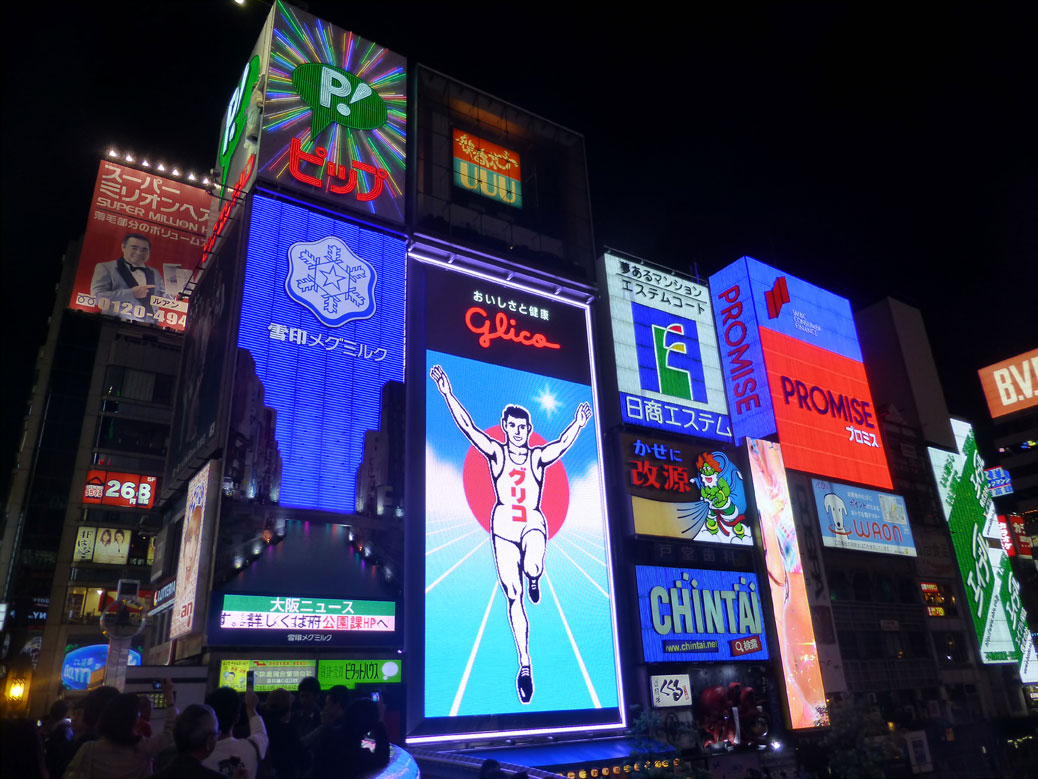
(870, 151)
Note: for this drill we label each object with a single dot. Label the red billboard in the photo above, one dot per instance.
(823, 411)
(142, 243)
(108, 488)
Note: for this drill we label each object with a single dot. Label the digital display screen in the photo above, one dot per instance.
(992, 591)
(802, 675)
(185, 601)
(519, 615)
(142, 244)
(130, 490)
(999, 482)
(487, 169)
(106, 545)
(339, 132)
(1011, 385)
(267, 675)
(693, 615)
(323, 318)
(862, 519)
(350, 673)
(682, 490)
(667, 363)
(80, 663)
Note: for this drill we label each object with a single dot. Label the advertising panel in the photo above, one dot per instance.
(79, 664)
(671, 690)
(130, 490)
(992, 592)
(667, 364)
(1018, 536)
(267, 675)
(862, 519)
(142, 244)
(185, 601)
(683, 490)
(335, 126)
(323, 318)
(802, 676)
(516, 524)
(1011, 385)
(280, 620)
(484, 167)
(790, 354)
(106, 545)
(999, 482)
(695, 615)
(350, 673)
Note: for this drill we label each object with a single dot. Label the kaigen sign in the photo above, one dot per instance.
(323, 318)
(667, 364)
(862, 519)
(802, 675)
(484, 167)
(108, 488)
(1011, 385)
(142, 244)
(694, 615)
(339, 130)
(515, 513)
(686, 491)
(992, 591)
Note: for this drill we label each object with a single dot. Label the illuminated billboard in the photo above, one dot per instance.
(793, 365)
(683, 490)
(142, 243)
(323, 317)
(1011, 385)
(999, 482)
(192, 542)
(862, 519)
(106, 545)
(350, 673)
(78, 665)
(267, 674)
(130, 490)
(692, 615)
(667, 363)
(992, 591)
(519, 624)
(484, 167)
(801, 673)
(1014, 536)
(335, 118)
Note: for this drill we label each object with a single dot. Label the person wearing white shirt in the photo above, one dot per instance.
(231, 753)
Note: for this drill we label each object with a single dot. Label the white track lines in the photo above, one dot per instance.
(453, 541)
(475, 648)
(562, 551)
(450, 570)
(573, 643)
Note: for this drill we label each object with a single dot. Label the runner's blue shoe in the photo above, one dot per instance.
(524, 684)
(535, 589)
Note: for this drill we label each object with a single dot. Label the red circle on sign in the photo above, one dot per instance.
(479, 485)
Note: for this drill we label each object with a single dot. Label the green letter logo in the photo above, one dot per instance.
(337, 96)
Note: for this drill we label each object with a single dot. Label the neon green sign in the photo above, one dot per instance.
(334, 95)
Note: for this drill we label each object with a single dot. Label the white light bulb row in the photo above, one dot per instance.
(161, 168)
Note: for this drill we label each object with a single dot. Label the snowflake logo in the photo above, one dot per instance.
(329, 279)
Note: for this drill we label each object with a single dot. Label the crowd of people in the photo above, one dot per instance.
(108, 735)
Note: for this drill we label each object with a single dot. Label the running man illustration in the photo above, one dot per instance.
(518, 528)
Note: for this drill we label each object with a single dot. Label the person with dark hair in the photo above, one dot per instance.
(21, 750)
(230, 753)
(327, 743)
(195, 735)
(288, 757)
(122, 285)
(307, 714)
(106, 537)
(58, 740)
(366, 744)
(121, 752)
(92, 706)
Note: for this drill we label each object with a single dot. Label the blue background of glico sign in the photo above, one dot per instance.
(652, 642)
(753, 422)
(325, 400)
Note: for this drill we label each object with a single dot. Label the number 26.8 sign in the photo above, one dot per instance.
(132, 490)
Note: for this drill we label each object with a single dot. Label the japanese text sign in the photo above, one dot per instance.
(108, 488)
(694, 615)
(350, 673)
(1014, 537)
(793, 366)
(267, 674)
(142, 244)
(323, 318)
(106, 545)
(999, 482)
(862, 519)
(671, 690)
(682, 490)
(1011, 385)
(484, 167)
(992, 592)
(667, 363)
(339, 132)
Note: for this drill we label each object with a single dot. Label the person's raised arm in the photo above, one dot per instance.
(553, 451)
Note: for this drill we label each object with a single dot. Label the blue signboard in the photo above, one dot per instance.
(80, 663)
(862, 519)
(323, 318)
(693, 615)
(999, 482)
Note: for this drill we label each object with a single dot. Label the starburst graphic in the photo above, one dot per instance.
(547, 401)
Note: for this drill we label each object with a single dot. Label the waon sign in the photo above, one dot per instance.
(792, 365)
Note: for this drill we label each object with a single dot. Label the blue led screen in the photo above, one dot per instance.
(323, 318)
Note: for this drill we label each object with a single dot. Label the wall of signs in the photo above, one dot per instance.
(667, 363)
(992, 591)
(790, 354)
(515, 515)
(862, 519)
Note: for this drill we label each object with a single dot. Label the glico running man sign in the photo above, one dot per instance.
(519, 618)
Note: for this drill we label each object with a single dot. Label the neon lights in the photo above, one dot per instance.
(262, 612)
(484, 167)
(504, 329)
(109, 488)
(228, 208)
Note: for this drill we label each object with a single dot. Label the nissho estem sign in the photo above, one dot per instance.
(693, 615)
(862, 519)
(992, 591)
(667, 365)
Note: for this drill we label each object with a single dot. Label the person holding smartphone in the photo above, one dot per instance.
(230, 754)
